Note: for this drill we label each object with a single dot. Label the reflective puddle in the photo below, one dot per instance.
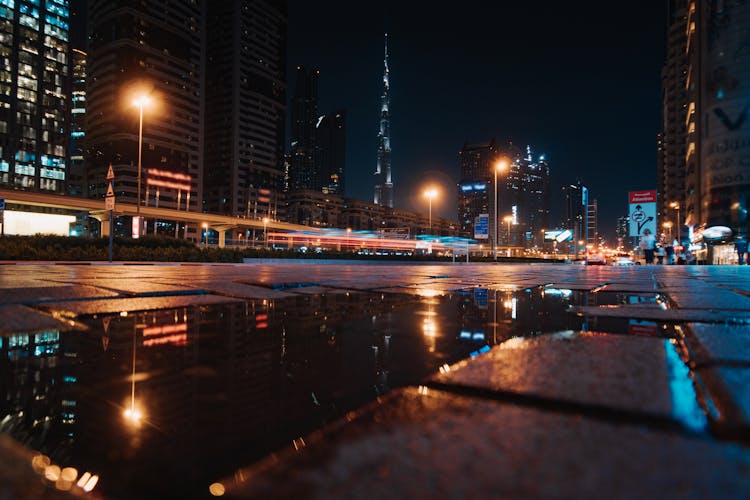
(161, 403)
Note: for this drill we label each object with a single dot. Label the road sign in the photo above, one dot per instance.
(109, 201)
(482, 227)
(642, 212)
(110, 174)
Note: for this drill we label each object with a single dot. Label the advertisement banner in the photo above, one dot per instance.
(642, 212)
(482, 227)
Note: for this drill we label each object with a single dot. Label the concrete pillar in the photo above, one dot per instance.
(106, 226)
(222, 239)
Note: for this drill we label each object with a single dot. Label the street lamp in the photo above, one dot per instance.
(500, 166)
(139, 102)
(430, 194)
(676, 205)
(265, 232)
(668, 226)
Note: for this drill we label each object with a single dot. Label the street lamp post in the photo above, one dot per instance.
(500, 166)
(508, 219)
(265, 232)
(205, 235)
(140, 102)
(430, 194)
(676, 205)
(668, 226)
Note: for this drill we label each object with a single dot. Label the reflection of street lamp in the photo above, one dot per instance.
(265, 232)
(676, 205)
(499, 167)
(133, 414)
(430, 194)
(140, 101)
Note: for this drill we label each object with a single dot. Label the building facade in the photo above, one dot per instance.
(303, 174)
(77, 183)
(672, 142)
(575, 211)
(383, 180)
(330, 131)
(245, 81)
(154, 49)
(34, 95)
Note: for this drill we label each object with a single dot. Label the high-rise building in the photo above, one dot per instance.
(383, 180)
(77, 184)
(475, 186)
(330, 131)
(575, 210)
(672, 142)
(522, 193)
(34, 94)
(303, 173)
(245, 106)
(156, 49)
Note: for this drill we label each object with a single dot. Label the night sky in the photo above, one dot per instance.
(579, 81)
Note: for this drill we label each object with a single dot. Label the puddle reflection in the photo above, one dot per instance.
(160, 403)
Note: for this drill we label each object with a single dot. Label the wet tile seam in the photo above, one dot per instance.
(587, 410)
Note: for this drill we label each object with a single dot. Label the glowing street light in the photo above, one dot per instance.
(676, 205)
(205, 235)
(430, 194)
(500, 166)
(140, 102)
(265, 232)
(668, 226)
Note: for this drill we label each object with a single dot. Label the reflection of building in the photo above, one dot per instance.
(245, 106)
(34, 93)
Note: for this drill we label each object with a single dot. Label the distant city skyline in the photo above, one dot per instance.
(582, 87)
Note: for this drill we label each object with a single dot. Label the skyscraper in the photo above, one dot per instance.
(673, 139)
(575, 210)
(331, 152)
(34, 94)
(155, 48)
(245, 106)
(475, 188)
(383, 180)
(302, 167)
(77, 185)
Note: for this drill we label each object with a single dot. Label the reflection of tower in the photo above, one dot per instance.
(381, 351)
(383, 181)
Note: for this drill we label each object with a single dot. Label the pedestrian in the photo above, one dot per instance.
(660, 254)
(740, 246)
(648, 243)
(670, 253)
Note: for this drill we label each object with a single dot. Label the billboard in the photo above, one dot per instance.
(558, 235)
(642, 212)
(482, 227)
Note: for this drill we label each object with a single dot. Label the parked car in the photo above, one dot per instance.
(595, 259)
(623, 261)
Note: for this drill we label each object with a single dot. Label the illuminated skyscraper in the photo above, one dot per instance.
(302, 166)
(34, 94)
(383, 180)
(77, 185)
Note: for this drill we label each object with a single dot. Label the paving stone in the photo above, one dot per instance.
(419, 443)
(133, 304)
(17, 318)
(719, 343)
(716, 299)
(600, 369)
(35, 295)
(665, 315)
(242, 291)
(729, 391)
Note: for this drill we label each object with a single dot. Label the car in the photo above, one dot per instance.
(623, 261)
(595, 259)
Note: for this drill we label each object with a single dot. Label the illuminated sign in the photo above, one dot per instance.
(642, 212)
(558, 235)
(482, 227)
(714, 233)
(167, 179)
(136, 228)
(30, 223)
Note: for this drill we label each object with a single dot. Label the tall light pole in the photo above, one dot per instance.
(265, 232)
(676, 204)
(430, 194)
(500, 166)
(140, 102)
(668, 226)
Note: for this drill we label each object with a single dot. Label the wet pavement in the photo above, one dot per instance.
(361, 381)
